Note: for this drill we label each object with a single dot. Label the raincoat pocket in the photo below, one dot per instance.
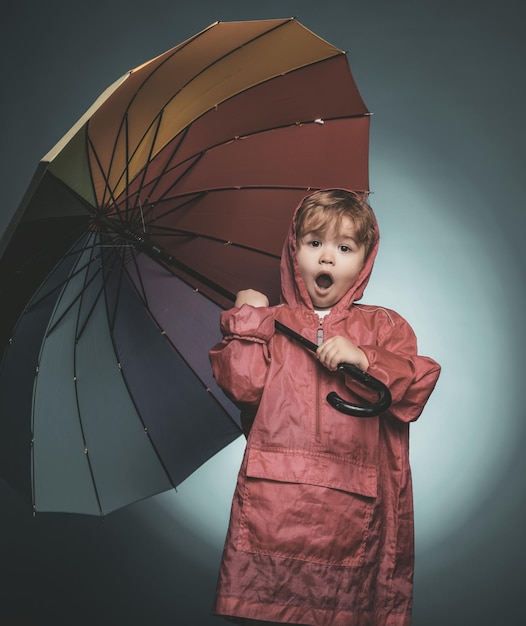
(309, 506)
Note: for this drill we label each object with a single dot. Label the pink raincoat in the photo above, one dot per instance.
(321, 527)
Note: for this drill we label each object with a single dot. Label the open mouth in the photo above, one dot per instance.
(324, 281)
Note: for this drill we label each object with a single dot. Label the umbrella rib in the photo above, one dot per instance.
(141, 293)
(108, 191)
(107, 188)
(137, 202)
(126, 168)
(129, 212)
(150, 76)
(93, 305)
(32, 305)
(215, 61)
(77, 401)
(113, 315)
(188, 234)
(86, 449)
(134, 242)
(131, 395)
(169, 160)
(125, 173)
(221, 58)
(162, 256)
(196, 157)
(139, 276)
(191, 163)
(196, 195)
(291, 71)
(323, 60)
(189, 198)
(193, 370)
(110, 266)
(174, 346)
(124, 121)
(148, 160)
(87, 283)
(157, 122)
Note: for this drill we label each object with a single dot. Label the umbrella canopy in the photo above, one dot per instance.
(173, 192)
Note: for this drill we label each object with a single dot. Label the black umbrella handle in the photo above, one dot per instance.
(383, 401)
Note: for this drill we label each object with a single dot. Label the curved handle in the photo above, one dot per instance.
(369, 410)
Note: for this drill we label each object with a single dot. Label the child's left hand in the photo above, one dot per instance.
(338, 350)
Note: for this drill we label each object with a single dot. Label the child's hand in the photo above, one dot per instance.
(338, 350)
(251, 297)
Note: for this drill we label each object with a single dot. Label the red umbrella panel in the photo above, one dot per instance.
(173, 192)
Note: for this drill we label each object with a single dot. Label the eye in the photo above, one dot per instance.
(314, 243)
(344, 248)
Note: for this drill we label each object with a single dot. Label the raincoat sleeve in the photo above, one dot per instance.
(395, 361)
(240, 361)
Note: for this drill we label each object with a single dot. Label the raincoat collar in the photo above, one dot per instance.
(293, 290)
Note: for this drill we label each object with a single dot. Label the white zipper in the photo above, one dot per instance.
(318, 382)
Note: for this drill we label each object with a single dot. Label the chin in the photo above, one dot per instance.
(322, 305)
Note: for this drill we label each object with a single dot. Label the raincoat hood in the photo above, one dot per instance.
(293, 289)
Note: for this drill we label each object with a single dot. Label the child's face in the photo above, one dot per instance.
(330, 262)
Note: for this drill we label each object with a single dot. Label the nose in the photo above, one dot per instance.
(327, 257)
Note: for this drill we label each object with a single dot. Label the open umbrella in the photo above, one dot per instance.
(173, 192)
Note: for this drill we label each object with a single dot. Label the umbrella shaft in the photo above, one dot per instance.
(158, 253)
(142, 243)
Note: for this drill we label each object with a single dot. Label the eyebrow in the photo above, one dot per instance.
(353, 239)
(313, 233)
(321, 233)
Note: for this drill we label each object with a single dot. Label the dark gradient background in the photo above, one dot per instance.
(445, 81)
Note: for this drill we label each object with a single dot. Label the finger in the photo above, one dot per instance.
(329, 361)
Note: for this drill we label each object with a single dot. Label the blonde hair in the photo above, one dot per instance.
(323, 209)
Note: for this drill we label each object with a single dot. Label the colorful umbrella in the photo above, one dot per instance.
(174, 191)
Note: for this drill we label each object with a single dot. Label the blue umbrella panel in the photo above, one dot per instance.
(117, 414)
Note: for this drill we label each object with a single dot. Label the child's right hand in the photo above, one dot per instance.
(251, 297)
(338, 350)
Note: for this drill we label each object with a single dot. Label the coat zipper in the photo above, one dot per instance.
(318, 383)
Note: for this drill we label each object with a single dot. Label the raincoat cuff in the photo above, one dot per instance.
(248, 322)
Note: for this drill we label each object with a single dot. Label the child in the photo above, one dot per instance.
(321, 527)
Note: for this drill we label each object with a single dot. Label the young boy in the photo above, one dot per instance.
(321, 527)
